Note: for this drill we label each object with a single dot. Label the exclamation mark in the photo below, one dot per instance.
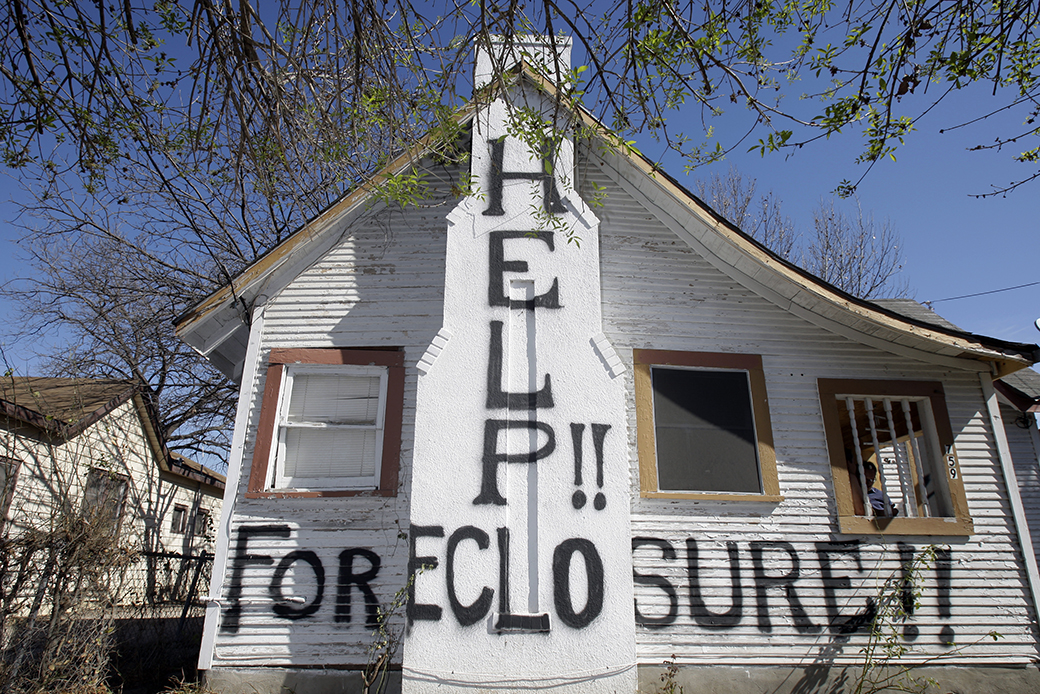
(943, 565)
(599, 432)
(907, 598)
(577, 434)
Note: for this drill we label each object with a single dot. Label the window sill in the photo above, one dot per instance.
(289, 494)
(714, 496)
(937, 527)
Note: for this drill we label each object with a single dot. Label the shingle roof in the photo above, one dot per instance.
(67, 400)
(66, 406)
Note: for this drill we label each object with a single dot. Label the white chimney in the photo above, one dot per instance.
(537, 51)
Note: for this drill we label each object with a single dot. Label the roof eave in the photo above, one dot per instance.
(229, 307)
(799, 286)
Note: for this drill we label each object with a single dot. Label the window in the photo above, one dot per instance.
(103, 499)
(891, 443)
(179, 522)
(201, 522)
(330, 423)
(8, 477)
(704, 428)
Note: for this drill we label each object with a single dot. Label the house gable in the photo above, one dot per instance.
(523, 531)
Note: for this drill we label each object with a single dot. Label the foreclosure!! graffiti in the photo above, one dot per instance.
(777, 567)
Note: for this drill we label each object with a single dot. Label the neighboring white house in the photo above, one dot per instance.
(1019, 403)
(72, 448)
(588, 440)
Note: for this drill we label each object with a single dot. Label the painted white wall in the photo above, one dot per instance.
(568, 543)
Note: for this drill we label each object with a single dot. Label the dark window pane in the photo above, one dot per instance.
(705, 431)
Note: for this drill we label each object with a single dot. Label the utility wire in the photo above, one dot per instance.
(992, 291)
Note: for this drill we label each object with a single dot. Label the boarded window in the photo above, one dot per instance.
(705, 431)
(704, 428)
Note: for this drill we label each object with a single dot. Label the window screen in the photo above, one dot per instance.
(704, 431)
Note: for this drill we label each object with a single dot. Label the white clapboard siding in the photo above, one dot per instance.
(382, 284)
(1022, 438)
(659, 294)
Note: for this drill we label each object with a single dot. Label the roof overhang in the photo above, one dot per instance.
(218, 327)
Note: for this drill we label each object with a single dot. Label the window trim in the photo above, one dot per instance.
(267, 429)
(958, 525)
(643, 359)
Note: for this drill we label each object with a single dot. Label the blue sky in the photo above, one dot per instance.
(954, 243)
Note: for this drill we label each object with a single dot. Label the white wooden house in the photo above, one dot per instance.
(1019, 396)
(533, 415)
(85, 448)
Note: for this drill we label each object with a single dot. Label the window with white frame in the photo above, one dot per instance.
(893, 463)
(330, 427)
(330, 423)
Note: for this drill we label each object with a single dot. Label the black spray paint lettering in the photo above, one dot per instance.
(507, 621)
(551, 196)
(348, 579)
(478, 609)
(599, 433)
(497, 398)
(283, 606)
(827, 553)
(838, 623)
(229, 623)
(943, 568)
(907, 599)
(698, 608)
(491, 459)
(763, 582)
(668, 554)
(286, 606)
(417, 611)
(498, 266)
(563, 599)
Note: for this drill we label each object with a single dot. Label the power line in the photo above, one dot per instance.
(992, 291)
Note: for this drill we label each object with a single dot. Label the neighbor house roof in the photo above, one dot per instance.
(1022, 389)
(65, 407)
(218, 327)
